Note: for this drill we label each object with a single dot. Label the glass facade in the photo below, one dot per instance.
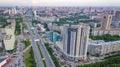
(54, 37)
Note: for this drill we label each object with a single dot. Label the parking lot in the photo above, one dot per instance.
(17, 58)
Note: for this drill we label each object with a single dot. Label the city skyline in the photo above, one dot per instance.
(60, 3)
(58, 33)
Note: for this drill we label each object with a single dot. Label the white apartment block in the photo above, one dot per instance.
(102, 48)
(98, 32)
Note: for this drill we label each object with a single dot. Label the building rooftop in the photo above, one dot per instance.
(9, 42)
(101, 42)
(111, 29)
(9, 38)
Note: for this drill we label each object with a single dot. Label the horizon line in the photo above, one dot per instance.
(51, 6)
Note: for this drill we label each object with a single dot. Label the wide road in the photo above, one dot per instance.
(44, 50)
(38, 58)
(45, 53)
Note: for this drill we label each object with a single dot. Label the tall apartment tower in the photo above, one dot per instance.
(75, 41)
(106, 21)
(117, 14)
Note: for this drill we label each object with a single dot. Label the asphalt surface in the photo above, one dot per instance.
(45, 53)
(38, 58)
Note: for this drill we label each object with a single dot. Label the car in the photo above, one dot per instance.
(19, 64)
(32, 28)
(19, 60)
(37, 39)
(15, 65)
(14, 57)
(43, 58)
(14, 54)
(23, 60)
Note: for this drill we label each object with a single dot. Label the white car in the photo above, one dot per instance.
(37, 39)
(43, 59)
(32, 28)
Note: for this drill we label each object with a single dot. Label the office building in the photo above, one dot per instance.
(75, 41)
(106, 21)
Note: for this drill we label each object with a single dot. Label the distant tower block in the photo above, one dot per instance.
(106, 21)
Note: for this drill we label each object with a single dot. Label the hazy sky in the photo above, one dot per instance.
(61, 2)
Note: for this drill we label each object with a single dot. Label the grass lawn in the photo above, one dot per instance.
(111, 61)
(15, 45)
(18, 26)
(50, 51)
(106, 37)
(29, 58)
(26, 42)
(27, 55)
(1, 50)
(24, 26)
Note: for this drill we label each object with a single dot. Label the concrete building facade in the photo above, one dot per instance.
(102, 48)
(98, 32)
(9, 38)
(117, 14)
(106, 21)
(75, 41)
(105, 27)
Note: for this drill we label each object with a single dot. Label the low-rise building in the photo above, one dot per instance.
(100, 47)
(98, 31)
(47, 19)
(9, 38)
(41, 28)
(53, 27)
(9, 41)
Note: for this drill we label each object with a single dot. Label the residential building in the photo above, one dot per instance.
(100, 47)
(9, 38)
(106, 21)
(117, 14)
(99, 32)
(105, 27)
(75, 41)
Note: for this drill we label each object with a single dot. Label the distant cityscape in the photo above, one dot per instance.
(59, 36)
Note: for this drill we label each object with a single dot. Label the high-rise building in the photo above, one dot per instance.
(35, 13)
(12, 11)
(117, 14)
(75, 41)
(106, 21)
